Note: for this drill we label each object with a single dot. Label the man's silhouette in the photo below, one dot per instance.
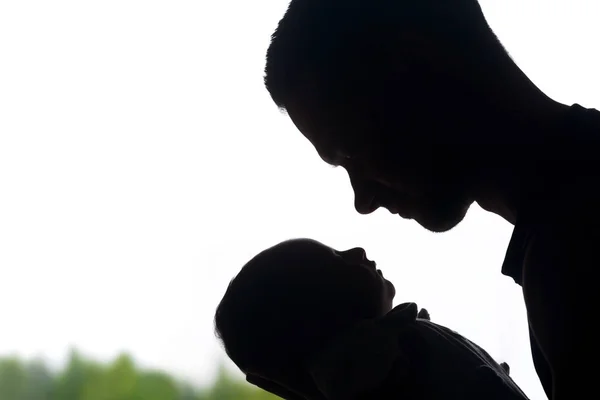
(427, 112)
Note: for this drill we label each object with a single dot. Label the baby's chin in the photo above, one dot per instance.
(390, 290)
(390, 293)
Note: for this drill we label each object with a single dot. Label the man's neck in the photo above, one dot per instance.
(498, 196)
(521, 124)
(526, 171)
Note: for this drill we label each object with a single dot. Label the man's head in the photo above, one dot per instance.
(291, 299)
(398, 92)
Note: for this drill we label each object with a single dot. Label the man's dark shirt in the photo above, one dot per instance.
(584, 124)
(570, 189)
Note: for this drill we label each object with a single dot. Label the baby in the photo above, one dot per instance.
(305, 321)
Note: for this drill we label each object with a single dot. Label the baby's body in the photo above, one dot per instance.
(403, 356)
(380, 353)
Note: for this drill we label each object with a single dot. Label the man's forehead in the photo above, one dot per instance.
(317, 127)
(334, 130)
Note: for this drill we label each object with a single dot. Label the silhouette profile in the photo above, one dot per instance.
(305, 321)
(428, 113)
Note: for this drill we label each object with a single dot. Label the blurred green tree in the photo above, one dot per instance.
(39, 382)
(13, 379)
(121, 379)
(156, 386)
(71, 381)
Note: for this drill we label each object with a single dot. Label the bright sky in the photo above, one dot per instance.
(142, 163)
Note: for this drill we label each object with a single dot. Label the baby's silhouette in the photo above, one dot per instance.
(305, 321)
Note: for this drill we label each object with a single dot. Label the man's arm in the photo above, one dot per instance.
(561, 292)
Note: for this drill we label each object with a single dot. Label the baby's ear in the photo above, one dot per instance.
(357, 362)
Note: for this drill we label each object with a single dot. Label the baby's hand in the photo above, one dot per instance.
(424, 314)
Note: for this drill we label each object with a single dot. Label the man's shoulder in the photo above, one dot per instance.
(572, 230)
(570, 214)
(562, 252)
(583, 121)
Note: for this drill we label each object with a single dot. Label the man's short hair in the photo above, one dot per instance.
(346, 44)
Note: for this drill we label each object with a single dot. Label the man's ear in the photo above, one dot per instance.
(357, 362)
(273, 387)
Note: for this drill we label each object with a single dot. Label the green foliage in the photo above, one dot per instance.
(13, 379)
(121, 379)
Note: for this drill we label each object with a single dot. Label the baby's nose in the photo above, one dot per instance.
(356, 254)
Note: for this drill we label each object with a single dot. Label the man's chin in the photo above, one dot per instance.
(441, 223)
(437, 226)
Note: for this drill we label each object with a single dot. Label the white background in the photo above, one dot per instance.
(142, 163)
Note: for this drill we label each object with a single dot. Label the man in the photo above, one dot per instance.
(427, 112)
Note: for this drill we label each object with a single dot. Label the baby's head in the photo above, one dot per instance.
(290, 300)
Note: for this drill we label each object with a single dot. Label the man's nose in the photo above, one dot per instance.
(365, 201)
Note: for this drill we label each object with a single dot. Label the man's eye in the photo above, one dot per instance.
(341, 160)
(346, 160)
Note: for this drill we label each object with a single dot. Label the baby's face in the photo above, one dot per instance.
(343, 269)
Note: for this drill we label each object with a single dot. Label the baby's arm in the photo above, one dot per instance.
(424, 314)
